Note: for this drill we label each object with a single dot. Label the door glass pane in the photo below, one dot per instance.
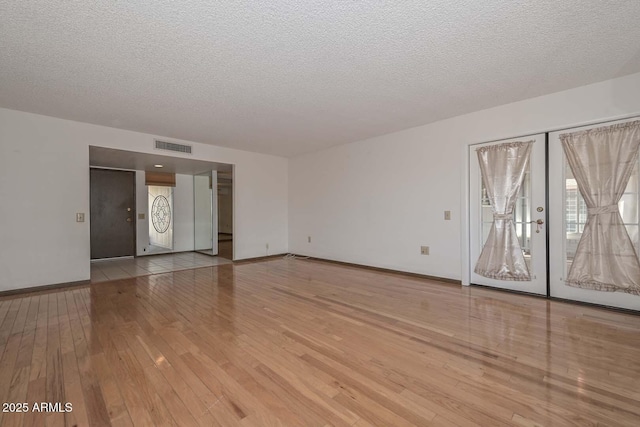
(633, 233)
(575, 210)
(522, 216)
(161, 216)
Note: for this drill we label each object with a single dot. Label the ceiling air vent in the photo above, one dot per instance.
(172, 146)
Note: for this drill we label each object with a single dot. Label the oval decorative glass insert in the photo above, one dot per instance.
(161, 214)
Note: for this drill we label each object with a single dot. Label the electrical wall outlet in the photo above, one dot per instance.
(424, 250)
(141, 216)
(447, 215)
(309, 239)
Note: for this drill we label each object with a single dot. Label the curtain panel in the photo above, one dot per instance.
(602, 161)
(503, 167)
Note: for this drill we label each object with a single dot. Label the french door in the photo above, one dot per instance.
(567, 213)
(568, 218)
(527, 214)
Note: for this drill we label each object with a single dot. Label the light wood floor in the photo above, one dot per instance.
(304, 343)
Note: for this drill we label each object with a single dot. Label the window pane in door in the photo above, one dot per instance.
(576, 211)
(161, 216)
(522, 216)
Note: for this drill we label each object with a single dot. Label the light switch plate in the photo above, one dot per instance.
(80, 217)
(140, 216)
(424, 250)
(447, 215)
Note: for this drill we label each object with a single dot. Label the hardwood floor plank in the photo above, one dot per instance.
(300, 396)
(353, 384)
(175, 407)
(36, 392)
(39, 358)
(17, 393)
(73, 391)
(5, 305)
(111, 394)
(93, 400)
(139, 402)
(7, 324)
(239, 402)
(307, 343)
(19, 381)
(10, 376)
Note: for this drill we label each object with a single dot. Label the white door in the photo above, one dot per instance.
(568, 214)
(528, 217)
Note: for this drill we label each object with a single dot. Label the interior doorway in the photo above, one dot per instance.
(225, 214)
(165, 218)
(161, 218)
(205, 213)
(112, 213)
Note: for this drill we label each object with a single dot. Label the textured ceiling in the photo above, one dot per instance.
(288, 76)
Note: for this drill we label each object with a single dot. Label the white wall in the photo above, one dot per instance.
(183, 227)
(375, 202)
(41, 189)
(44, 181)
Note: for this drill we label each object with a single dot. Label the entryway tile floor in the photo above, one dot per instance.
(115, 269)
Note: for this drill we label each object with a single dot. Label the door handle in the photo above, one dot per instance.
(538, 223)
(128, 219)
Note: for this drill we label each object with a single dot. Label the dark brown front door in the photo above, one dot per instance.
(112, 213)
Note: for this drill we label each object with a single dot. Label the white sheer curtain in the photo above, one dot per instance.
(602, 160)
(503, 167)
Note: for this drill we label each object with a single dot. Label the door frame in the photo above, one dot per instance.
(537, 165)
(614, 300)
(466, 266)
(134, 209)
